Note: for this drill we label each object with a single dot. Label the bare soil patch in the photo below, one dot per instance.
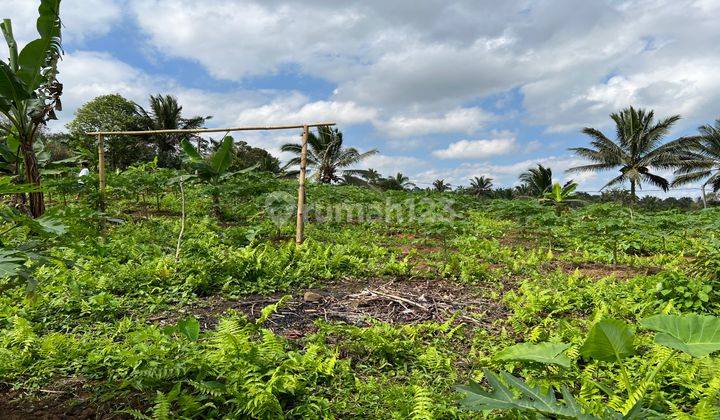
(356, 302)
(65, 398)
(599, 271)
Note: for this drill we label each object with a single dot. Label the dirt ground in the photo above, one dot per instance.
(65, 399)
(357, 303)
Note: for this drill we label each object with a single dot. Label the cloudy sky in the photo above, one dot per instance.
(444, 89)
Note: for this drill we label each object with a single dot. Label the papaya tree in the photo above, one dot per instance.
(29, 90)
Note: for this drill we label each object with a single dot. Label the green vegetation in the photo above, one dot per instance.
(599, 302)
(180, 293)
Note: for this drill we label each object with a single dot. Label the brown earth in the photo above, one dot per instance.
(357, 303)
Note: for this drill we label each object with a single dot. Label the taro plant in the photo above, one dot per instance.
(609, 341)
(29, 90)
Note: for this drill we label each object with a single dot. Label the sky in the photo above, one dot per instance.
(443, 89)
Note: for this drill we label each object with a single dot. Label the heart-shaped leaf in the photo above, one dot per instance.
(609, 340)
(696, 335)
(190, 328)
(545, 353)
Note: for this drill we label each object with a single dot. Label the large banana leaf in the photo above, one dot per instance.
(221, 160)
(48, 23)
(191, 151)
(609, 340)
(33, 59)
(531, 399)
(11, 88)
(546, 353)
(696, 335)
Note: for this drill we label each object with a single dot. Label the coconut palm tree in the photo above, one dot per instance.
(481, 185)
(637, 150)
(326, 155)
(537, 180)
(372, 176)
(440, 185)
(699, 159)
(397, 182)
(166, 114)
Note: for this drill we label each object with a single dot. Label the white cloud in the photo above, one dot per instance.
(477, 149)
(81, 18)
(390, 165)
(465, 120)
(87, 74)
(574, 63)
(297, 109)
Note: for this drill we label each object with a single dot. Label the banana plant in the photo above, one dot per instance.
(29, 89)
(560, 196)
(608, 341)
(213, 169)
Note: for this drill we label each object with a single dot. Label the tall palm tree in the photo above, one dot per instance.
(440, 185)
(637, 150)
(481, 185)
(166, 114)
(537, 181)
(699, 159)
(371, 176)
(397, 182)
(326, 155)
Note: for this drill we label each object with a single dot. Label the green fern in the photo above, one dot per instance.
(422, 404)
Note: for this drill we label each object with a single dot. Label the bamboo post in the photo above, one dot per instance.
(101, 170)
(300, 226)
(101, 162)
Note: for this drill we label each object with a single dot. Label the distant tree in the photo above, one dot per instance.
(110, 113)
(371, 176)
(58, 145)
(326, 155)
(537, 180)
(348, 179)
(699, 160)
(397, 182)
(165, 113)
(506, 193)
(481, 186)
(247, 156)
(637, 149)
(440, 185)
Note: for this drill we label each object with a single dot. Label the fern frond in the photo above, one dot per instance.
(422, 404)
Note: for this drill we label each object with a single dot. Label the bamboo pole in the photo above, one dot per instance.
(209, 130)
(300, 226)
(101, 162)
(101, 170)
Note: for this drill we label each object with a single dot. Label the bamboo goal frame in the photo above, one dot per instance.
(300, 221)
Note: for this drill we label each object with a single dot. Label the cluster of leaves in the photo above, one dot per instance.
(608, 341)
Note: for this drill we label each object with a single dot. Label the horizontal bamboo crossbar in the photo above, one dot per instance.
(206, 130)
